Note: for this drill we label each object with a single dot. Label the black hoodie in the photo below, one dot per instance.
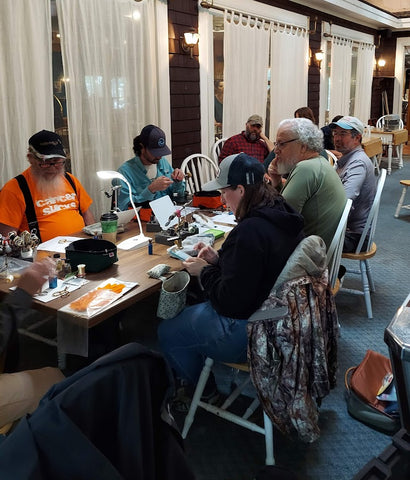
(251, 259)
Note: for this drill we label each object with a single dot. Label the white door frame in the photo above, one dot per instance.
(399, 74)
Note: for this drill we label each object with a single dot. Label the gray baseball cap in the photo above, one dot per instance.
(238, 169)
(349, 123)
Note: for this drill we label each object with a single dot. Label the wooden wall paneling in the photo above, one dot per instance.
(184, 82)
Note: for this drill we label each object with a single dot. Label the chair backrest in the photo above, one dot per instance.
(370, 227)
(389, 122)
(202, 170)
(334, 253)
(332, 158)
(216, 149)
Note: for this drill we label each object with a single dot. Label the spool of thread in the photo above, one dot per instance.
(81, 270)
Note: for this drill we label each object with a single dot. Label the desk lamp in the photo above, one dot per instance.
(139, 240)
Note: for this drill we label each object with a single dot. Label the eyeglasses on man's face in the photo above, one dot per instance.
(282, 144)
(43, 162)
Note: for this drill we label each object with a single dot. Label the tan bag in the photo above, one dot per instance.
(363, 383)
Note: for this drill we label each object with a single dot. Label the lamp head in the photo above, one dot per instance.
(110, 174)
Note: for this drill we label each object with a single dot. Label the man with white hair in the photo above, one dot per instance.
(312, 188)
(44, 198)
(356, 171)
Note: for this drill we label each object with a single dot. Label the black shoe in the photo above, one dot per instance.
(341, 274)
(182, 400)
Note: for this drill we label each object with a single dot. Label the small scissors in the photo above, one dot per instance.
(62, 293)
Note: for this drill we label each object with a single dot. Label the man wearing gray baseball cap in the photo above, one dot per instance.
(356, 172)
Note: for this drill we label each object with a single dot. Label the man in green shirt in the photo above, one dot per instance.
(313, 188)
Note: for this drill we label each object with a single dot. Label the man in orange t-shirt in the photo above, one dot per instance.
(61, 205)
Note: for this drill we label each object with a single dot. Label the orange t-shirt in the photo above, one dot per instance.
(57, 215)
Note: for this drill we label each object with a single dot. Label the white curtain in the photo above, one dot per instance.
(365, 63)
(246, 56)
(109, 54)
(26, 85)
(206, 80)
(340, 76)
(289, 77)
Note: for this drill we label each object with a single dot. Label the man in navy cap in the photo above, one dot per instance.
(44, 199)
(356, 171)
(149, 173)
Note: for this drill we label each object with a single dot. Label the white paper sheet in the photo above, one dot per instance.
(57, 244)
(164, 210)
(228, 218)
(48, 294)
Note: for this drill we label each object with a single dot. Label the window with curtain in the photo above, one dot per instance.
(354, 52)
(115, 82)
(238, 52)
(26, 90)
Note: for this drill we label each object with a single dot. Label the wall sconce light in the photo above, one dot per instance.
(380, 63)
(316, 59)
(188, 41)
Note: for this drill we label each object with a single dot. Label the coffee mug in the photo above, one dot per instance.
(109, 225)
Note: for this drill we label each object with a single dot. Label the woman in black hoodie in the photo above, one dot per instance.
(237, 278)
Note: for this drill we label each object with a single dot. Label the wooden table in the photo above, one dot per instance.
(395, 138)
(132, 265)
(374, 149)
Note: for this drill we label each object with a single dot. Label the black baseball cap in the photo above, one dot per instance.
(153, 139)
(48, 144)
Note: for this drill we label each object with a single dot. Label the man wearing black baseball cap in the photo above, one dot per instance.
(149, 173)
(44, 198)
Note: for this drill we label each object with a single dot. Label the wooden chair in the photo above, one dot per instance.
(223, 412)
(406, 184)
(265, 312)
(201, 168)
(334, 253)
(216, 149)
(332, 158)
(363, 257)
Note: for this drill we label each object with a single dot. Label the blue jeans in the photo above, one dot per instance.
(199, 332)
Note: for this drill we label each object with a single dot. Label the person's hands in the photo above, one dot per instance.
(177, 175)
(273, 174)
(268, 142)
(209, 254)
(160, 184)
(194, 265)
(34, 276)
